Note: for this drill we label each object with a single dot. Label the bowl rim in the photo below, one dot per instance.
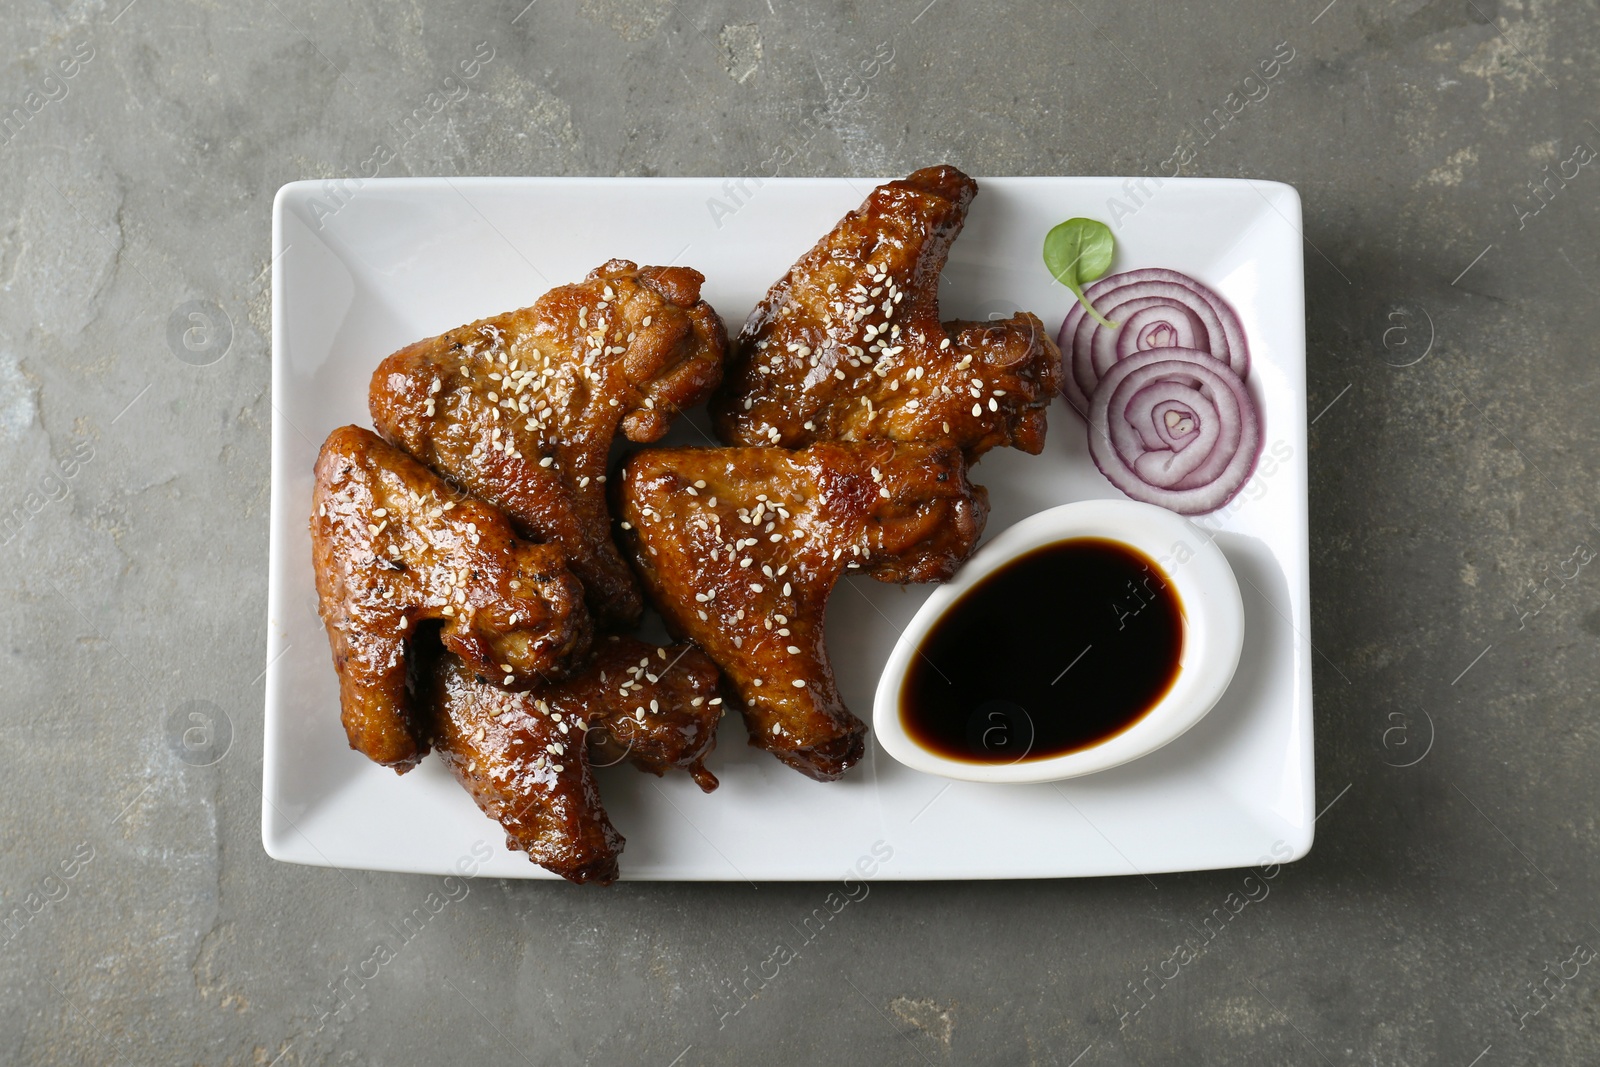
(1213, 636)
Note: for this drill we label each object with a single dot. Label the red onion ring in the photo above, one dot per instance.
(1176, 428)
(1160, 325)
(1151, 306)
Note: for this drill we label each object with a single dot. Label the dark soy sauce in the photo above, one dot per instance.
(1056, 651)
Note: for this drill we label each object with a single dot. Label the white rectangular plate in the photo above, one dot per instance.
(361, 272)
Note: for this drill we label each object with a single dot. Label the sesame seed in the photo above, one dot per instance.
(799, 684)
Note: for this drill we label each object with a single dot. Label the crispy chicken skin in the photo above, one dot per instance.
(527, 757)
(521, 409)
(740, 547)
(652, 705)
(392, 547)
(526, 764)
(848, 345)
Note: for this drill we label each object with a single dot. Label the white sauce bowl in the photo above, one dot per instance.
(1213, 637)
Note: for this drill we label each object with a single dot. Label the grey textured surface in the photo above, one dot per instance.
(1443, 916)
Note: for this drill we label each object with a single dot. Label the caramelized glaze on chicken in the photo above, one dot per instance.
(848, 345)
(655, 706)
(521, 409)
(526, 764)
(393, 546)
(527, 757)
(740, 547)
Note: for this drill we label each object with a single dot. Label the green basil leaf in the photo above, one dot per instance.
(1076, 253)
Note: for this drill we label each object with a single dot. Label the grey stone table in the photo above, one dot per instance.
(1443, 151)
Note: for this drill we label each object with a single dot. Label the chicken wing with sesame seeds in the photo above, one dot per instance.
(654, 706)
(521, 409)
(740, 547)
(393, 546)
(527, 757)
(848, 345)
(525, 762)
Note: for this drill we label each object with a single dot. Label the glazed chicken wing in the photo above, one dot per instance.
(848, 345)
(526, 764)
(526, 757)
(740, 547)
(521, 409)
(392, 546)
(656, 707)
